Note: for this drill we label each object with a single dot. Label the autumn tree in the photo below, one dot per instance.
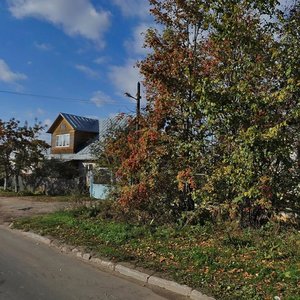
(221, 128)
(20, 149)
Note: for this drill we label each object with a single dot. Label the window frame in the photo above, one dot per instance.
(62, 140)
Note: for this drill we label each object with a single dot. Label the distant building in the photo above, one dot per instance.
(72, 139)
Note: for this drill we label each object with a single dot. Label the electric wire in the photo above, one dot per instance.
(59, 98)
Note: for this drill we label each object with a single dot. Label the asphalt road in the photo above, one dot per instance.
(32, 271)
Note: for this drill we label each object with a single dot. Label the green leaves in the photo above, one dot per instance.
(221, 124)
(20, 148)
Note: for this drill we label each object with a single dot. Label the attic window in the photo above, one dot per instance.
(62, 140)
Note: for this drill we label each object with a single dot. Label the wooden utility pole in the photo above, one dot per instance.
(138, 105)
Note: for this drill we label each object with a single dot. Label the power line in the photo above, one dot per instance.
(43, 96)
(58, 98)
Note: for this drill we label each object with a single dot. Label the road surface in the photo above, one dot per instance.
(32, 271)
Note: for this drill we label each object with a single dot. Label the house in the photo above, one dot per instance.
(72, 139)
(70, 133)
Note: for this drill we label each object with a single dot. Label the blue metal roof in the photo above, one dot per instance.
(82, 123)
(85, 124)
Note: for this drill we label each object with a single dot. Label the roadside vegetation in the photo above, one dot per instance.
(221, 259)
(220, 132)
(205, 181)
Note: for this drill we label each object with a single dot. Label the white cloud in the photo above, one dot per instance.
(35, 113)
(7, 75)
(101, 60)
(75, 17)
(43, 46)
(87, 71)
(44, 135)
(136, 43)
(133, 8)
(40, 111)
(99, 98)
(125, 78)
(47, 122)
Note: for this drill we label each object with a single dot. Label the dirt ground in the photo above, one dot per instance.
(12, 208)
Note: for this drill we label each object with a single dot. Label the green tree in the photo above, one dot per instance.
(20, 149)
(222, 121)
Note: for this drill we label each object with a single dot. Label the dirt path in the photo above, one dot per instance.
(12, 208)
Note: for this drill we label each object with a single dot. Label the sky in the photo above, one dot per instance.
(83, 51)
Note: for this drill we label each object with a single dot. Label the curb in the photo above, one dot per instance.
(137, 275)
(171, 286)
(130, 272)
(103, 263)
(37, 237)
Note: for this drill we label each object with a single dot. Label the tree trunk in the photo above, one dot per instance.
(5, 183)
(16, 183)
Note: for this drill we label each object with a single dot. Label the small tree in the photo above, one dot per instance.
(20, 149)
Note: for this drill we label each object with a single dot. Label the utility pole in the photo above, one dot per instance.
(138, 104)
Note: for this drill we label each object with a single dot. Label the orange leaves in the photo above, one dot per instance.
(141, 149)
(185, 177)
(134, 195)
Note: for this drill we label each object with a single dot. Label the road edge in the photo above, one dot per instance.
(149, 277)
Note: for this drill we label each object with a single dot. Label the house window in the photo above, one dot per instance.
(62, 140)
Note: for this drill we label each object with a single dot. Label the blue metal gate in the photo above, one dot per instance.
(98, 191)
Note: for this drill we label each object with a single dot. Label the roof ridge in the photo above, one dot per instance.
(77, 116)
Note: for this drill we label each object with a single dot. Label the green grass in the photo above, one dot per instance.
(221, 260)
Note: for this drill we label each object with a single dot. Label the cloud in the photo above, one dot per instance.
(101, 60)
(133, 8)
(136, 43)
(35, 113)
(43, 46)
(47, 122)
(99, 98)
(40, 111)
(125, 78)
(44, 135)
(87, 71)
(75, 17)
(7, 75)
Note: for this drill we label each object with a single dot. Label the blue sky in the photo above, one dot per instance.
(82, 49)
